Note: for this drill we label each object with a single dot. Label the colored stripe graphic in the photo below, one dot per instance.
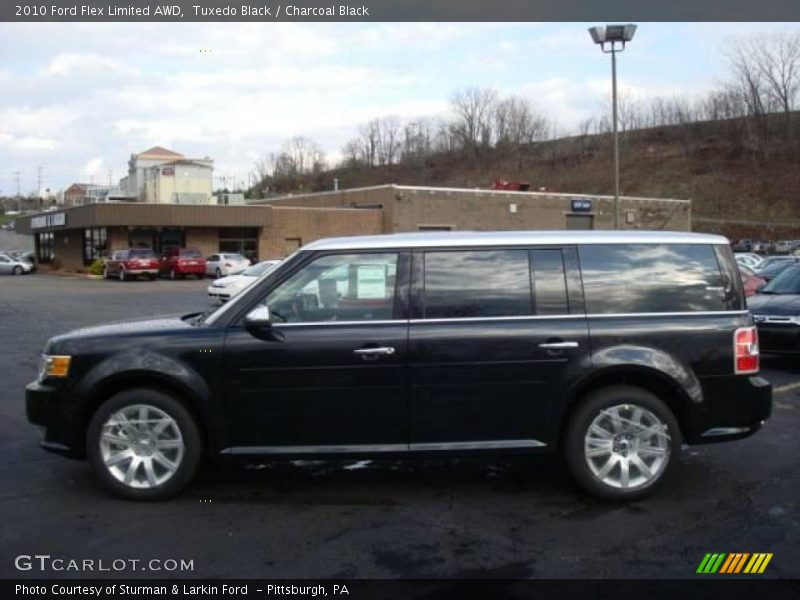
(733, 563)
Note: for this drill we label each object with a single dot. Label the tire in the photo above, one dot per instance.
(122, 276)
(172, 274)
(151, 277)
(618, 445)
(105, 273)
(16, 271)
(180, 437)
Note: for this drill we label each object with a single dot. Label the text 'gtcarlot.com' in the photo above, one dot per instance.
(45, 562)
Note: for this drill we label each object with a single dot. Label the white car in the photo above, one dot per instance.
(14, 266)
(226, 263)
(748, 259)
(223, 289)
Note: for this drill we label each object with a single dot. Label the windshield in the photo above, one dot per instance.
(771, 270)
(145, 253)
(788, 282)
(191, 254)
(259, 268)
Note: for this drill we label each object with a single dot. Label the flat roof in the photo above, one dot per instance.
(511, 238)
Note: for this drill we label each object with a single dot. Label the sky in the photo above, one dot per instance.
(77, 99)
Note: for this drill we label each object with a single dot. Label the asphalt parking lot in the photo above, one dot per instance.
(468, 518)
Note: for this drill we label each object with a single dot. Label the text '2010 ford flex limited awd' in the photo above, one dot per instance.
(610, 348)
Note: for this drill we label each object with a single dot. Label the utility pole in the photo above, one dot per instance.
(39, 187)
(19, 199)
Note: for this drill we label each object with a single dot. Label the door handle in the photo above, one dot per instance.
(558, 345)
(368, 352)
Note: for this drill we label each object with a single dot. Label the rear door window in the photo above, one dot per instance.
(651, 278)
(549, 282)
(480, 283)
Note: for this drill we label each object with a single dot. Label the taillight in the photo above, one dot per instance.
(745, 350)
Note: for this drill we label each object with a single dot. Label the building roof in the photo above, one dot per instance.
(511, 238)
(159, 152)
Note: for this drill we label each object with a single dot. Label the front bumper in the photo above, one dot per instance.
(734, 407)
(219, 293)
(63, 432)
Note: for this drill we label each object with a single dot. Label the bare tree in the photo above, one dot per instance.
(472, 107)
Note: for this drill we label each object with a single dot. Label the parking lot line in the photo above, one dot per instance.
(786, 388)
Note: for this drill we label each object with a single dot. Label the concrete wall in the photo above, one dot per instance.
(204, 239)
(307, 225)
(68, 247)
(407, 208)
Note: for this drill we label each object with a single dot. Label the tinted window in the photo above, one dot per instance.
(344, 287)
(147, 253)
(190, 254)
(636, 278)
(484, 283)
(549, 282)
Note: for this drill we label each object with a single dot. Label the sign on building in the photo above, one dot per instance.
(581, 205)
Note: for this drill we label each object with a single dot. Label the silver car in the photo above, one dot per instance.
(14, 266)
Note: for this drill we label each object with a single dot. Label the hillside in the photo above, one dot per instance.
(739, 185)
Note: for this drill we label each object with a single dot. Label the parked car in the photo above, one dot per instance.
(131, 263)
(742, 246)
(761, 247)
(14, 266)
(785, 246)
(776, 311)
(426, 344)
(227, 263)
(748, 259)
(180, 262)
(771, 267)
(751, 282)
(222, 289)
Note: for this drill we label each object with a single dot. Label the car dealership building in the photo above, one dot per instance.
(272, 228)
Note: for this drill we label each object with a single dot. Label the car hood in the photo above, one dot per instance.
(123, 328)
(774, 304)
(232, 280)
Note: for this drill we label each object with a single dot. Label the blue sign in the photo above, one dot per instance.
(581, 205)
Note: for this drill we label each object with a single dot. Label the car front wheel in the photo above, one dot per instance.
(144, 445)
(621, 442)
(16, 271)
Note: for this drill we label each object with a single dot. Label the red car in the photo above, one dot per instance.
(130, 263)
(752, 282)
(179, 262)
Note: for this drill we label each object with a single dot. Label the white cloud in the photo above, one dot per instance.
(94, 166)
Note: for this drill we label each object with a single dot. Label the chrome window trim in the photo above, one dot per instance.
(376, 448)
(515, 318)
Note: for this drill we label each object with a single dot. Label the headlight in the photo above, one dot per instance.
(54, 366)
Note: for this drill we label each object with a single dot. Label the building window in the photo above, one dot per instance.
(45, 251)
(243, 240)
(94, 244)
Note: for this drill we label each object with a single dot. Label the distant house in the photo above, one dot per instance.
(79, 194)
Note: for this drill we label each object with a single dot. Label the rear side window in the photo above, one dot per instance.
(485, 283)
(549, 282)
(190, 254)
(646, 278)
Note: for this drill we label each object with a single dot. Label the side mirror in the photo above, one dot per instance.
(258, 318)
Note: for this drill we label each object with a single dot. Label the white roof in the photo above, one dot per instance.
(511, 238)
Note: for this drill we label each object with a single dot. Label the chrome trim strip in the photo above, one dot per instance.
(719, 431)
(515, 318)
(332, 449)
(376, 448)
(490, 445)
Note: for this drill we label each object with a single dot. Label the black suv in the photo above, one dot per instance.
(610, 348)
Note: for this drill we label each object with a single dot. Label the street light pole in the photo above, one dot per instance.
(613, 34)
(616, 134)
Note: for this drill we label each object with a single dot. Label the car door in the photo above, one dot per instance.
(329, 373)
(494, 338)
(5, 265)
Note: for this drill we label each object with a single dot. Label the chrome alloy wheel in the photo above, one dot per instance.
(141, 446)
(627, 446)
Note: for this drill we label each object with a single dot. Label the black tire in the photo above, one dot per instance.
(16, 271)
(121, 275)
(185, 422)
(583, 416)
(152, 276)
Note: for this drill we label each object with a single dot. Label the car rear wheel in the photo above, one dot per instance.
(122, 275)
(16, 271)
(144, 445)
(621, 442)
